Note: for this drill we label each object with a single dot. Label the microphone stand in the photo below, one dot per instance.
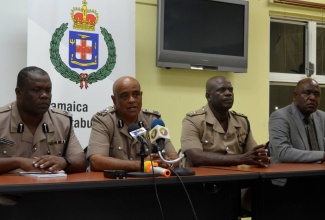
(142, 155)
(180, 171)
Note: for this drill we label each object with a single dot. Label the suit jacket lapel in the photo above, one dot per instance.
(300, 125)
(318, 127)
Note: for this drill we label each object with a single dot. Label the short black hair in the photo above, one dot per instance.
(25, 72)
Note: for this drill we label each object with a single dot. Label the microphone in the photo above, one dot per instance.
(136, 132)
(156, 169)
(159, 133)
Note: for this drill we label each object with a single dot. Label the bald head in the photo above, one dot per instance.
(213, 82)
(124, 80)
(305, 81)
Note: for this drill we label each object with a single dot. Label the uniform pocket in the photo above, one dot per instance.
(6, 150)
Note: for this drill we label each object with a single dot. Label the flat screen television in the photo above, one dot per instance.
(203, 34)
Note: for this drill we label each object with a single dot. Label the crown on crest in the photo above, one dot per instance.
(83, 18)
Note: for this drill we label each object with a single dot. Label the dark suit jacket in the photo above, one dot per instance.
(288, 136)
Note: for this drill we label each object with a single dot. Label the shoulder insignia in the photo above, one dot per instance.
(106, 111)
(197, 112)
(60, 111)
(5, 108)
(238, 114)
(153, 112)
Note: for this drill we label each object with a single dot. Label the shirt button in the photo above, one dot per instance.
(35, 148)
(206, 141)
(225, 137)
(4, 152)
(119, 148)
(227, 148)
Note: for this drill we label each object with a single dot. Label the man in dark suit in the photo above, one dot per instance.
(292, 137)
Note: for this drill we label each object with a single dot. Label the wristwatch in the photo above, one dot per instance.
(68, 161)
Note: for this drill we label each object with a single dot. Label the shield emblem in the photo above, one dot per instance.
(83, 50)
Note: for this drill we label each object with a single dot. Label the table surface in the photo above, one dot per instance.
(280, 170)
(87, 180)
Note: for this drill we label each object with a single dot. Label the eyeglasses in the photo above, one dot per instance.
(126, 96)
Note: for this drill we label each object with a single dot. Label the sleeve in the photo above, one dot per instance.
(281, 144)
(169, 148)
(190, 136)
(99, 140)
(74, 146)
(251, 143)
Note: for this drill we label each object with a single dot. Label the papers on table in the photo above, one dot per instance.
(44, 175)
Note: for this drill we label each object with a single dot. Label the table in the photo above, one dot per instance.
(297, 199)
(92, 196)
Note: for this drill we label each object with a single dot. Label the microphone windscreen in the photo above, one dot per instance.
(157, 121)
(133, 127)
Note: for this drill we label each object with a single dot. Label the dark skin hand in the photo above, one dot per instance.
(257, 156)
(50, 163)
(27, 165)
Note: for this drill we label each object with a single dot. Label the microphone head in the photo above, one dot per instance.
(158, 132)
(135, 131)
(133, 127)
(139, 133)
(157, 121)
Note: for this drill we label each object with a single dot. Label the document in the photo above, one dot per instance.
(44, 175)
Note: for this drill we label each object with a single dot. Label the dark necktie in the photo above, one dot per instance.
(311, 133)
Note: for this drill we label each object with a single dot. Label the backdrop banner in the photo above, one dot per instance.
(84, 46)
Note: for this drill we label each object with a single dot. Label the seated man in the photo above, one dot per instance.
(110, 146)
(34, 137)
(215, 136)
(297, 131)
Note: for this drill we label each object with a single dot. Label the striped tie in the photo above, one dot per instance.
(312, 134)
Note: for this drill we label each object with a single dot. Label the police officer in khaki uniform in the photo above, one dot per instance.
(215, 136)
(34, 137)
(110, 145)
(236, 140)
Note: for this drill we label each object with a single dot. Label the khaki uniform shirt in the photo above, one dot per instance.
(49, 137)
(110, 137)
(203, 131)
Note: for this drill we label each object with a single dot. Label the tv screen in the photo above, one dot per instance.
(203, 34)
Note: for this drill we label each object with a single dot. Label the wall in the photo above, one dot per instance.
(174, 92)
(13, 39)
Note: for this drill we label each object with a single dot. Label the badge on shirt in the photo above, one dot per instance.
(241, 138)
(6, 141)
(56, 142)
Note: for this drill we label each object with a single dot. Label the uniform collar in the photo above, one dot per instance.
(16, 119)
(211, 119)
(140, 122)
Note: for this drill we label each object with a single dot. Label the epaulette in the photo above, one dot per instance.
(197, 112)
(62, 112)
(106, 111)
(154, 112)
(5, 108)
(238, 114)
